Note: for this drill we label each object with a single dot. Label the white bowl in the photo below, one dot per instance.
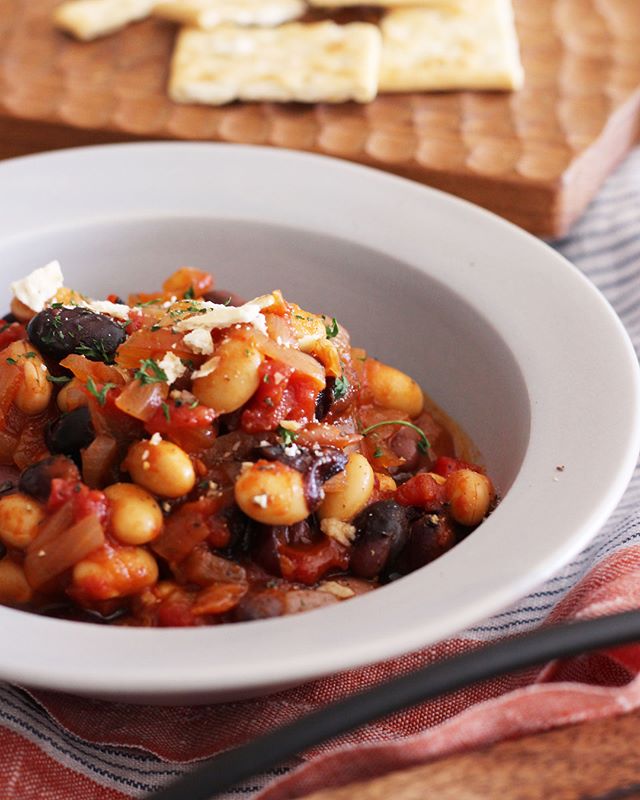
(506, 335)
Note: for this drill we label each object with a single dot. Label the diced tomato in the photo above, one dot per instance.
(189, 526)
(176, 611)
(421, 490)
(85, 501)
(445, 466)
(187, 280)
(282, 394)
(180, 416)
(11, 332)
(308, 563)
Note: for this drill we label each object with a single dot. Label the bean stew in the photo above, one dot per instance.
(187, 458)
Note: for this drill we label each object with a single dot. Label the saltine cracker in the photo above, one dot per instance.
(208, 14)
(316, 63)
(90, 19)
(472, 47)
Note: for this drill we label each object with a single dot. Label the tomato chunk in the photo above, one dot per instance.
(421, 490)
(283, 393)
(445, 466)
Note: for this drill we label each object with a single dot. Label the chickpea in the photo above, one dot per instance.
(71, 396)
(136, 518)
(353, 497)
(20, 311)
(234, 380)
(163, 469)
(34, 390)
(19, 519)
(14, 588)
(108, 574)
(271, 493)
(393, 389)
(469, 494)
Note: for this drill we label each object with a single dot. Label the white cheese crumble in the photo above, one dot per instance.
(117, 310)
(199, 341)
(207, 368)
(155, 439)
(291, 449)
(183, 397)
(39, 286)
(261, 500)
(172, 367)
(334, 528)
(218, 315)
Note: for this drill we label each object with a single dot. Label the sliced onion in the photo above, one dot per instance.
(49, 557)
(301, 362)
(98, 461)
(142, 400)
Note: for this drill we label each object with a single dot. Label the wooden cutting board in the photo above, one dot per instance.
(536, 156)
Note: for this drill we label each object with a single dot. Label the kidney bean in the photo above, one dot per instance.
(404, 443)
(58, 332)
(430, 537)
(381, 533)
(70, 432)
(36, 479)
(223, 297)
(277, 603)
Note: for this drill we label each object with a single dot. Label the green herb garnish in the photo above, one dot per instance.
(153, 302)
(150, 372)
(423, 444)
(94, 352)
(378, 453)
(100, 395)
(30, 354)
(288, 437)
(12, 361)
(340, 388)
(58, 378)
(333, 329)
(189, 294)
(166, 411)
(268, 402)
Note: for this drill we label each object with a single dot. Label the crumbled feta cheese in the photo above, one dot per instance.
(172, 367)
(334, 528)
(117, 310)
(217, 315)
(155, 439)
(338, 590)
(145, 455)
(199, 341)
(39, 286)
(261, 500)
(207, 368)
(291, 449)
(166, 506)
(183, 397)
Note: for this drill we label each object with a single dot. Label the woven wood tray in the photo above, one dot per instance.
(536, 156)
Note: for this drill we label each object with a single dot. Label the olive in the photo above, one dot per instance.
(221, 296)
(9, 318)
(381, 533)
(404, 443)
(430, 537)
(36, 479)
(70, 432)
(325, 399)
(58, 332)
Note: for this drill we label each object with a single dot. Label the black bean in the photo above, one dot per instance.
(325, 399)
(36, 479)
(70, 432)
(58, 332)
(430, 537)
(381, 533)
(9, 318)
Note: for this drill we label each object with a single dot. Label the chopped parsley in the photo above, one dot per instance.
(30, 354)
(423, 444)
(100, 395)
(12, 361)
(340, 388)
(268, 402)
(378, 453)
(189, 294)
(333, 329)
(195, 404)
(166, 411)
(150, 372)
(288, 437)
(266, 378)
(153, 302)
(94, 351)
(58, 378)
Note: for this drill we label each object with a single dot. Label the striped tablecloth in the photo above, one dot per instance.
(57, 747)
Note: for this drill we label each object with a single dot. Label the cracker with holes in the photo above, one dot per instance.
(316, 63)
(90, 19)
(208, 14)
(473, 46)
